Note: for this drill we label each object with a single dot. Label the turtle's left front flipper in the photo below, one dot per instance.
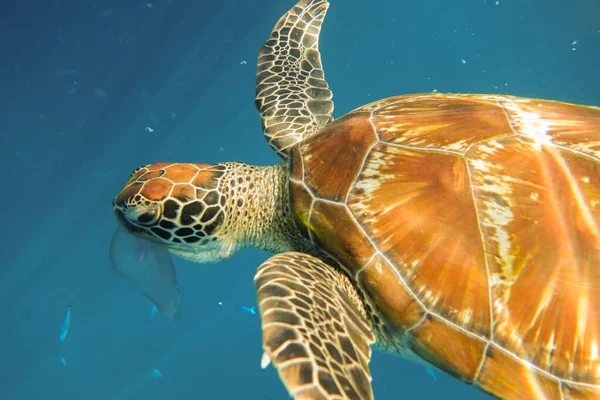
(315, 331)
(292, 95)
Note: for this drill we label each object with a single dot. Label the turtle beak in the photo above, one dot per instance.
(124, 222)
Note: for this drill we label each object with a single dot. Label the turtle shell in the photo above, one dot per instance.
(471, 224)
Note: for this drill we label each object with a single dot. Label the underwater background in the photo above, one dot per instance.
(91, 90)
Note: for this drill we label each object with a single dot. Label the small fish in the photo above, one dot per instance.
(153, 311)
(156, 373)
(64, 329)
(432, 372)
(250, 310)
(62, 361)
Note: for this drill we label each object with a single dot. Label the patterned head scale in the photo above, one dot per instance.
(172, 203)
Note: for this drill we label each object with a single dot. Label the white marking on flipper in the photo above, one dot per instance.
(265, 360)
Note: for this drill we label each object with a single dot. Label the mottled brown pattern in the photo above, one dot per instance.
(315, 330)
(540, 215)
(358, 136)
(295, 104)
(422, 217)
(301, 201)
(448, 347)
(151, 175)
(572, 392)
(505, 376)
(180, 172)
(129, 191)
(402, 311)
(205, 176)
(488, 208)
(569, 125)
(348, 242)
(183, 192)
(440, 121)
(156, 189)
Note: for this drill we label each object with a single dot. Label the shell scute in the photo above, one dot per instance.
(477, 218)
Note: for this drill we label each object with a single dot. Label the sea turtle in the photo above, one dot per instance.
(462, 230)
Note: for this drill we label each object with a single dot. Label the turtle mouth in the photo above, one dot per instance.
(126, 224)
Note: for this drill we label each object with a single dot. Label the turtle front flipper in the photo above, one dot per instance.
(315, 330)
(292, 95)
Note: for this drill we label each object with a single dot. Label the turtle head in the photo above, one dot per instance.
(180, 206)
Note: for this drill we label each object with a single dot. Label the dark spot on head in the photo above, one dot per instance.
(170, 209)
(161, 233)
(189, 211)
(147, 217)
(209, 229)
(166, 224)
(191, 239)
(197, 227)
(209, 213)
(240, 202)
(182, 197)
(200, 193)
(184, 232)
(212, 198)
(186, 218)
(176, 240)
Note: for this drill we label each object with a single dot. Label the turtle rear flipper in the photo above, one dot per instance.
(149, 267)
(292, 95)
(313, 330)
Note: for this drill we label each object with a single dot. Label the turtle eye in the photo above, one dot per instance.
(144, 215)
(147, 218)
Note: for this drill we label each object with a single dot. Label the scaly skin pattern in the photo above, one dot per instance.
(205, 213)
(467, 226)
(473, 249)
(471, 224)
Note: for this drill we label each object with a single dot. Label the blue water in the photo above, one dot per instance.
(81, 80)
